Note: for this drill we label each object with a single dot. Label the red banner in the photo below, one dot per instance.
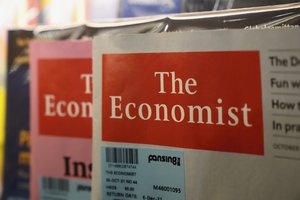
(65, 97)
(197, 100)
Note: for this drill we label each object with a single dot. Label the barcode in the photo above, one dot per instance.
(55, 184)
(121, 155)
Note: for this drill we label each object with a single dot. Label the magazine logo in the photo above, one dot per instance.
(193, 114)
(197, 100)
(164, 159)
(72, 109)
(65, 97)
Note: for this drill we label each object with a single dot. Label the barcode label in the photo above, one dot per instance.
(121, 155)
(55, 184)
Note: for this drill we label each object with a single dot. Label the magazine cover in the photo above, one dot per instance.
(61, 120)
(197, 115)
(17, 145)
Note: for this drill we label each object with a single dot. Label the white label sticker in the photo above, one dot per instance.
(64, 189)
(144, 174)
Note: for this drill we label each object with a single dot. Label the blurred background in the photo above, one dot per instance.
(29, 13)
